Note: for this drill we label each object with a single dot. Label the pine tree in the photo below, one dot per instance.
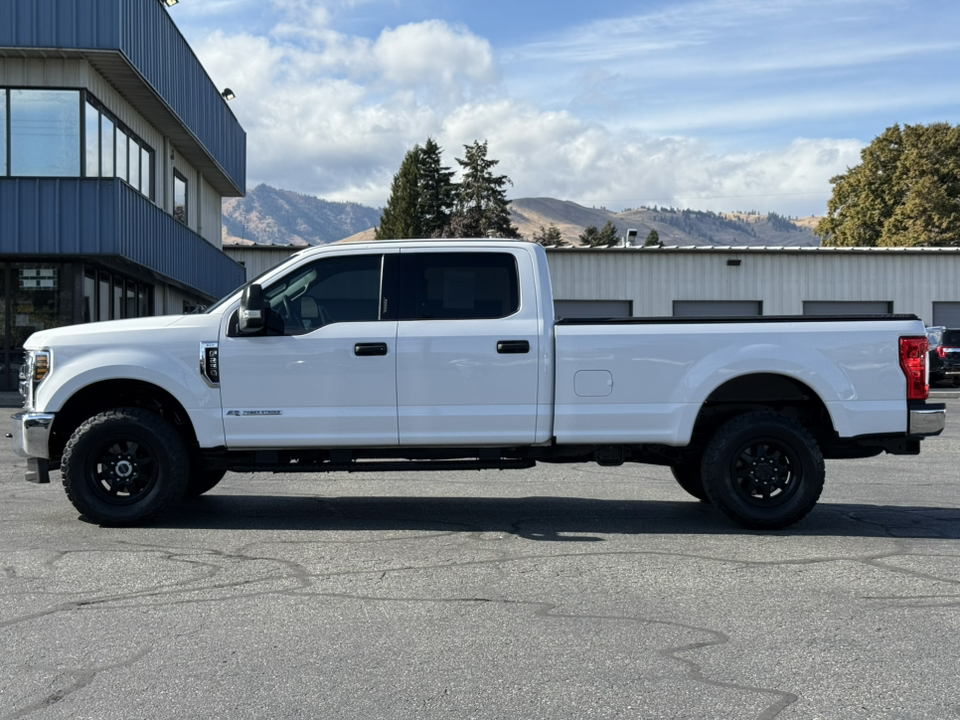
(653, 239)
(401, 217)
(481, 206)
(609, 236)
(436, 191)
(549, 237)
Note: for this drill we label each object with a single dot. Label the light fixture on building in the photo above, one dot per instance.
(227, 94)
(169, 3)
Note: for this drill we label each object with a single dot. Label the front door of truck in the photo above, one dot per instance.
(323, 374)
(468, 348)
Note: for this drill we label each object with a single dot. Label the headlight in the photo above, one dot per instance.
(38, 365)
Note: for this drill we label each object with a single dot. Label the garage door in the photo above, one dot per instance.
(717, 308)
(946, 314)
(592, 308)
(820, 307)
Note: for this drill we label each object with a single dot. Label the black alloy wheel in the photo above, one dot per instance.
(124, 466)
(763, 470)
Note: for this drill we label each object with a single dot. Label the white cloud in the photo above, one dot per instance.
(333, 114)
(433, 53)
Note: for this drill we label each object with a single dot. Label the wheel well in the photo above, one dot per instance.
(110, 394)
(763, 391)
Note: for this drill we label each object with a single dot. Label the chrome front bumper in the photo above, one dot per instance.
(927, 419)
(31, 434)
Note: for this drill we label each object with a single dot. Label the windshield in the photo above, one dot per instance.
(247, 284)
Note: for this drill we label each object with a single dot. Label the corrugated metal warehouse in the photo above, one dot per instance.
(683, 281)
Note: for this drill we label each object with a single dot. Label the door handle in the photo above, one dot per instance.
(513, 347)
(367, 349)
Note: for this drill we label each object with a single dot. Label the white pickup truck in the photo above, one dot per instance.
(446, 355)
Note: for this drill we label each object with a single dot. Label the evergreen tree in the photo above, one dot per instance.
(589, 236)
(436, 191)
(653, 239)
(549, 237)
(481, 206)
(906, 191)
(609, 236)
(401, 217)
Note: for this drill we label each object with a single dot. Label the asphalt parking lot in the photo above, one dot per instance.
(557, 592)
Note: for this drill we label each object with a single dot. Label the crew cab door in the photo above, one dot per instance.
(323, 372)
(467, 347)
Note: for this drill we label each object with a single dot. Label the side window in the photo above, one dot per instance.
(458, 286)
(337, 289)
(179, 187)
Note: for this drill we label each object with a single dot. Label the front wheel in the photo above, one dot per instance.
(124, 466)
(762, 470)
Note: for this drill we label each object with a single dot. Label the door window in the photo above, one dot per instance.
(458, 286)
(332, 290)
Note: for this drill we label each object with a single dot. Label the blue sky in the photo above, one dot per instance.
(708, 104)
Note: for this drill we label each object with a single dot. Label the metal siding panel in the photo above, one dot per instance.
(74, 216)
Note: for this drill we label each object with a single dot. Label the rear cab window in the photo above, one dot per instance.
(458, 286)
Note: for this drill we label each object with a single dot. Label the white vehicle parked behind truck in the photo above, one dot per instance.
(446, 354)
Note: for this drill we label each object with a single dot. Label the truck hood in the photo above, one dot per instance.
(134, 330)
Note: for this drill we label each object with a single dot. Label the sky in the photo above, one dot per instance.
(716, 105)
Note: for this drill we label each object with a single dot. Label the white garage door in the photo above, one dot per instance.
(717, 308)
(946, 314)
(820, 307)
(592, 308)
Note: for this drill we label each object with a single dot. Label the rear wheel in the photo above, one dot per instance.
(762, 470)
(689, 477)
(124, 466)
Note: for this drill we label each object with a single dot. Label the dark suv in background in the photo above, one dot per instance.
(944, 355)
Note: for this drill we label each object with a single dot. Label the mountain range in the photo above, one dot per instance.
(270, 216)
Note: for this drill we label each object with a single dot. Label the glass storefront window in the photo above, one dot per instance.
(117, 299)
(103, 300)
(89, 298)
(130, 306)
(45, 133)
(39, 298)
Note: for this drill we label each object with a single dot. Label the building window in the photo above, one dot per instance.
(44, 133)
(106, 147)
(122, 171)
(180, 197)
(113, 150)
(111, 297)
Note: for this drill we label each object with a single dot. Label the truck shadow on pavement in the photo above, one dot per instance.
(554, 519)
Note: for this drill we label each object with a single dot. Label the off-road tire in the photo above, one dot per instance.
(689, 477)
(762, 470)
(124, 466)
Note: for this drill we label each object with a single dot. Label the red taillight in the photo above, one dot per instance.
(941, 352)
(913, 361)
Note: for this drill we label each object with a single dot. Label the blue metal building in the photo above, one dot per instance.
(116, 150)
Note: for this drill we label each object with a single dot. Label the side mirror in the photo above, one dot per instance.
(252, 316)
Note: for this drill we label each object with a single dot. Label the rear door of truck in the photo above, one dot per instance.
(468, 345)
